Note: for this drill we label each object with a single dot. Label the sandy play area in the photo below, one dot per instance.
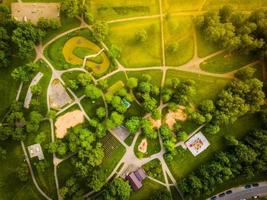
(142, 147)
(172, 116)
(155, 123)
(34, 11)
(67, 121)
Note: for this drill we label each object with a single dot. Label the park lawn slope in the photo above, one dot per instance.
(136, 53)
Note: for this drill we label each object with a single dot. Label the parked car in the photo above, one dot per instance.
(255, 197)
(255, 185)
(229, 192)
(247, 186)
(213, 198)
(222, 195)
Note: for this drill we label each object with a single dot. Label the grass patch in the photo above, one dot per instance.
(154, 170)
(184, 52)
(133, 52)
(107, 10)
(90, 106)
(65, 170)
(181, 5)
(73, 76)
(207, 87)
(149, 187)
(156, 75)
(183, 164)
(10, 185)
(110, 161)
(225, 62)
(66, 24)
(238, 4)
(204, 47)
(153, 146)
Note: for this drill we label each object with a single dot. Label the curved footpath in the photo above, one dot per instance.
(242, 193)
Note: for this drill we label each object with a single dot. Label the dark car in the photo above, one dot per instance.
(229, 192)
(247, 186)
(213, 198)
(255, 185)
(222, 195)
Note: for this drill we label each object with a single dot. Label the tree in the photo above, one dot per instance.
(148, 129)
(114, 52)
(70, 8)
(133, 124)
(245, 73)
(84, 79)
(41, 166)
(97, 180)
(118, 189)
(231, 140)
(101, 112)
(141, 36)
(212, 129)
(92, 92)
(3, 153)
(100, 30)
(25, 72)
(36, 89)
(40, 138)
(35, 119)
(172, 48)
(73, 84)
(23, 172)
(46, 24)
(182, 136)
(132, 82)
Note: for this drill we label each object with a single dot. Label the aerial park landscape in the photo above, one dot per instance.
(133, 99)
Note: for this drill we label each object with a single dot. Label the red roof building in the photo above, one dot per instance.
(135, 178)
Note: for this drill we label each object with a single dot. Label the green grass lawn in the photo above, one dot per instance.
(149, 187)
(108, 10)
(8, 2)
(156, 75)
(171, 6)
(90, 106)
(10, 186)
(226, 62)
(120, 76)
(64, 171)
(152, 147)
(154, 170)
(207, 87)
(204, 47)
(110, 162)
(183, 53)
(45, 179)
(73, 76)
(8, 89)
(182, 165)
(134, 53)
(238, 4)
(66, 24)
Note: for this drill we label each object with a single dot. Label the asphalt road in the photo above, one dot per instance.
(241, 192)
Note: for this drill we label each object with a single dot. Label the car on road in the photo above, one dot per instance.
(213, 198)
(229, 192)
(255, 184)
(247, 186)
(222, 195)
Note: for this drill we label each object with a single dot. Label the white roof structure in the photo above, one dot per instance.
(35, 150)
(197, 143)
(34, 11)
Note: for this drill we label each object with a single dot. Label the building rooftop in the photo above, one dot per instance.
(135, 178)
(35, 150)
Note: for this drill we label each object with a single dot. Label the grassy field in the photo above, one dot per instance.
(45, 179)
(204, 47)
(66, 24)
(238, 4)
(156, 75)
(148, 52)
(171, 6)
(65, 170)
(149, 187)
(8, 89)
(120, 76)
(72, 76)
(226, 62)
(153, 146)
(207, 87)
(110, 162)
(183, 165)
(108, 10)
(10, 186)
(90, 106)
